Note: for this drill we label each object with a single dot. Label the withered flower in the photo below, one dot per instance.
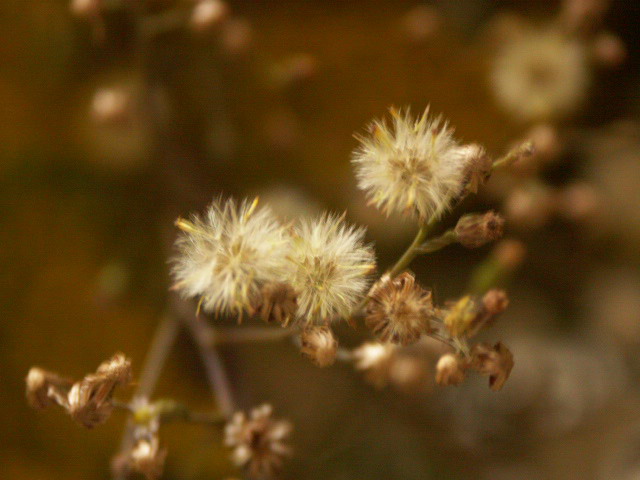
(479, 166)
(258, 442)
(39, 382)
(89, 400)
(450, 370)
(399, 310)
(496, 362)
(148, 458)
(277, 303)
(409, 374)
(476, 230)
(320, 345)
(462, 315)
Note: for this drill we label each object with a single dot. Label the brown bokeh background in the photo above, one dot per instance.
(86, 228)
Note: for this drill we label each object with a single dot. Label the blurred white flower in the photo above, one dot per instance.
(541, 75)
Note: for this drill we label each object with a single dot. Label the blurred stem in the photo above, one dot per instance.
(161, 345)
(249, 334)
(522, 150)
(171, 411)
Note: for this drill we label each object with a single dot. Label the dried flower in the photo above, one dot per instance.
(476, 230)
(375, 360)
(329, 268)
(541, 75)
(450, 370)
(89, 400)
(495, 301)
(496, 362)
(227, 257)
(462, 315)
(414, 165)
(277, 303)
(148, 458)
(479, 166)
(258, 442)
(399, 310)
(85, 8)
(320, 345)
(39, 382)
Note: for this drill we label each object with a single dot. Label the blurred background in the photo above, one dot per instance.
(119, 115)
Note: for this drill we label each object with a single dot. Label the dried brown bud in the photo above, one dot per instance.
(399, 310)
(148, 458)
(375, 360)
(609, 50)
(39, 382)
(278, 303)
(476, 230)
(421, 23)
(495, 302)
(89, 400)
(320, 345)
(496, 362)
(85, 8)
(450, 370)
(258, 442)
(479, 166)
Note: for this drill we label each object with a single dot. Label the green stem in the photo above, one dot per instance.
(438, 243)
(414, 249)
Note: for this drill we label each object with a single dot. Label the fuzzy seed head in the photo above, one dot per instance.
(259, 442)
(541, 75)
(329, 268)
(147, 458)
(412, 165)
(227, 256)
(399, 310)
(278, 303)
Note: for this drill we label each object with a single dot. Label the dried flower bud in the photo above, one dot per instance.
(609, 50)
(496, 362)
(375, 360)
(320, 345)
(399, 309)
(495, 302)
(462, 316)
(89, 400)
(236, 36)
(148, 458)
(479, 166)
(421, 23)
(277, 303)
(476, 230)
(208, 13)
(39, 382)
(450, 370)
(258, 442)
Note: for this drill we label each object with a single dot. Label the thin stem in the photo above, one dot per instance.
(163, 340)
(249, 334)
(414, 249)
(523, 150)
(205, 339)
(438, 243)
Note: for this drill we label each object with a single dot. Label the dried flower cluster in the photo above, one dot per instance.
(88, 401)
(259, 442)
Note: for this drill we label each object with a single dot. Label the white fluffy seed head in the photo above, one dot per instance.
(410, 165)
(541, 75)
(226, 256)
(330, 267)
